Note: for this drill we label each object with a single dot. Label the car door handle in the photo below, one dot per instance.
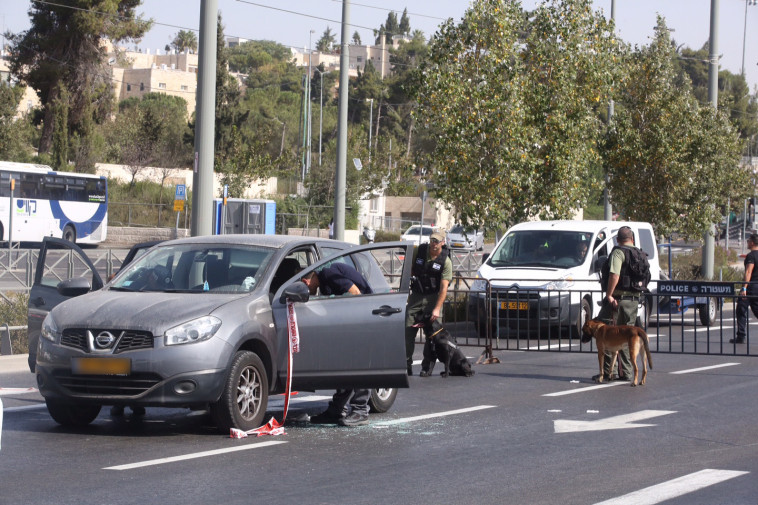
(38, 301)
(386, 310)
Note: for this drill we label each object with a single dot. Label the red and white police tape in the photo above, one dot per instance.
(274, 427)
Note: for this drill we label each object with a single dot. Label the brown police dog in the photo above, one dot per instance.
(613, 338)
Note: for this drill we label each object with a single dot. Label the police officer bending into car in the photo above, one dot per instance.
(432, 272)
(341, 279)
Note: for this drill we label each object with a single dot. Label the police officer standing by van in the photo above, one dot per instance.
(432, 272)
(620, 299)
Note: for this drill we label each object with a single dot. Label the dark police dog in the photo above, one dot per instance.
(440, 345)
(613, 338)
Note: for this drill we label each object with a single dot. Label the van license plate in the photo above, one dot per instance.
(101, 366)
(514, 305)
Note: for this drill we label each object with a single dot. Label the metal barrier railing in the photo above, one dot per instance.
(530, 319)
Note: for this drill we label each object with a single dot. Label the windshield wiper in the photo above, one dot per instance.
(120, 288)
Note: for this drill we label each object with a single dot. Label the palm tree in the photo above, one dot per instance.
(185, 39)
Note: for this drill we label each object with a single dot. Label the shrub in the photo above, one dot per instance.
(13, 312)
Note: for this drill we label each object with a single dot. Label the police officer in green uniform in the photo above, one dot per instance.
(623, 302)
(432, 272)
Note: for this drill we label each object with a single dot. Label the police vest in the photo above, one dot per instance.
(429, 274)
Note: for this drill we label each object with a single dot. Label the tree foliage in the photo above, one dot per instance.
(327, 40)
(184, 39)
(671, 161)
(62, 49)
(512, 100)
(15, 133)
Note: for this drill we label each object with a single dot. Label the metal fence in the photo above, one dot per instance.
(544, 320)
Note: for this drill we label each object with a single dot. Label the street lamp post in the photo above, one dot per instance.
(744, 33)
(310, 73)
(370, 126)
(320, 110)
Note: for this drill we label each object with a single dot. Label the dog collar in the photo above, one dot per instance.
(433, 334)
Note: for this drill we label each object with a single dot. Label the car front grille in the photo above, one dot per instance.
(107, 385)
(128, 340)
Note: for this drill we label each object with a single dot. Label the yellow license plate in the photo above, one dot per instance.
(101, 366)
(514, 305)
(457, 244)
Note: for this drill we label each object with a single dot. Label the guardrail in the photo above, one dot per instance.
(700, 318)
(6, 345)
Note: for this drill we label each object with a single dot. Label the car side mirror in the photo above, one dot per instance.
(74, 287)
(484, 257)
(296, 292)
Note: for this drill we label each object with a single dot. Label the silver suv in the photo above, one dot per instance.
(201, 322)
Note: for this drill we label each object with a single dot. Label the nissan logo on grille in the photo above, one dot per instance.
(104, 340)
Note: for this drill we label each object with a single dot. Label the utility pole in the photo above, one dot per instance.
(607, 208)
(340, 174)
(202, 178)
(370, 127)
(713, 97)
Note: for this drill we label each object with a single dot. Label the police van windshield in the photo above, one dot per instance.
(542, 248)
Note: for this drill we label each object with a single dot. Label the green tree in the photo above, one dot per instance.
(244, 162)
(671, 161)
(356, 38)
(326, 43)
(15, 133)
(60, 130)
(405, 23)
(735, 99)
(388, 29)
(512, 101)
(185, 39)
(62, 50)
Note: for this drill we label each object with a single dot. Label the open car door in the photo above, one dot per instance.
(59, 264)
(351, 341)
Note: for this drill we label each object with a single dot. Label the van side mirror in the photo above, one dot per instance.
(599, 262)
(484, 257)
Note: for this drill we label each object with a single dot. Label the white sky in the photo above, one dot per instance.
(635, 20)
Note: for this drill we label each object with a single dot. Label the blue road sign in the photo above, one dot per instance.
(181, 192)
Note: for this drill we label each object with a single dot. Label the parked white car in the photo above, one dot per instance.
(465, 238)
(418, 234)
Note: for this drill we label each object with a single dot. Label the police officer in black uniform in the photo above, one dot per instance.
(432, 272)
(341, 279)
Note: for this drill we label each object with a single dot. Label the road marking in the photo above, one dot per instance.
(693, 370)
(25, 407)
(194, 455)
(551, 346)
(16, 391)
(431, 416)
(674, 488)
(609, 423)
(588, 388)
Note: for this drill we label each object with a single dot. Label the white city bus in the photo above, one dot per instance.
(46, 203)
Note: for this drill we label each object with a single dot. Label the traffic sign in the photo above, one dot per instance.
(181, 192)
(179, 205)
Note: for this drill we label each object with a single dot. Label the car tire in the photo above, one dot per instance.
(69, 233)
(707, 312)
(72, 416)
(381, 399)
(245, 397)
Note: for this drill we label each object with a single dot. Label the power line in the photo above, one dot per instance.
(392, 10)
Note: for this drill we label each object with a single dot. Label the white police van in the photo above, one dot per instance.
(543, 277)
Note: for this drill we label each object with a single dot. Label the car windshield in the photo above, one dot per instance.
(414, 230)
(542, 248)
(195, 268)
(459, 230)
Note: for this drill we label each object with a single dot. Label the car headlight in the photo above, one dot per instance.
(478, 285)
(193, 331)
(49, 330)
(559, 285)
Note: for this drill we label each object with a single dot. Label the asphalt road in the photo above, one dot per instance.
(532, 429)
